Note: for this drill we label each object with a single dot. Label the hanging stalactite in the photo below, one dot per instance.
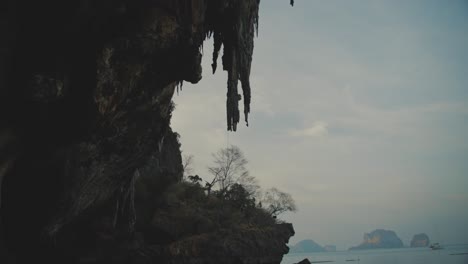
(233, 25)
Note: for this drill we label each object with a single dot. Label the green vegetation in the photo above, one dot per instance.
(230, 201)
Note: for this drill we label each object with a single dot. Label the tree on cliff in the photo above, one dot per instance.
(229, 168)
(239, 197)
(187, 164)
(277, 202)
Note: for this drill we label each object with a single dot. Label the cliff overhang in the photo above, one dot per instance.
(85, 108)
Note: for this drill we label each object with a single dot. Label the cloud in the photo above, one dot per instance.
(317, 129)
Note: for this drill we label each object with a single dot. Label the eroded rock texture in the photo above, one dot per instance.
(244, 246)
(85, 108)
(379, 238)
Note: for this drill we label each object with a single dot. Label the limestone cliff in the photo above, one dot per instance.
(380, 238)
(85, 108)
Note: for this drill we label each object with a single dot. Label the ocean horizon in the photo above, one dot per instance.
(451, 254)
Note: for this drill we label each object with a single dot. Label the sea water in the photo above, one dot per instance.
(456, 254)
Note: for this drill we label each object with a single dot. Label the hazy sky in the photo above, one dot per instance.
(359, 111)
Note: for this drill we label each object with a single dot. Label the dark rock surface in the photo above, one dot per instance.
(191, 226)
(420, 240)
(380, 238)
(246, 246)
(85, 108)
(304, 261)
(307, 245)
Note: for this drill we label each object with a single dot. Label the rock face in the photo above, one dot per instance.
(420, 240)
(307, 245)
(237, 247)
(85, 108)
(380, 238)
(304, 261)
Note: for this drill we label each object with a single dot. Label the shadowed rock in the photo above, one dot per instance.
(85, 108)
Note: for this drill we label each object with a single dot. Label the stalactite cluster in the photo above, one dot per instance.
(233, 26)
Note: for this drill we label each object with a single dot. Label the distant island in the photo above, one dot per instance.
(380, 238)
(420, 240)
(306, 246)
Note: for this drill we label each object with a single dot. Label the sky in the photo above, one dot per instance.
(359, 111)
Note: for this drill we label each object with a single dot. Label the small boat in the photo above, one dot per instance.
(435, 246)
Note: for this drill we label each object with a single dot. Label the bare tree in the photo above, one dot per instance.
(229, 168)
(277, 202)
(187, 165)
